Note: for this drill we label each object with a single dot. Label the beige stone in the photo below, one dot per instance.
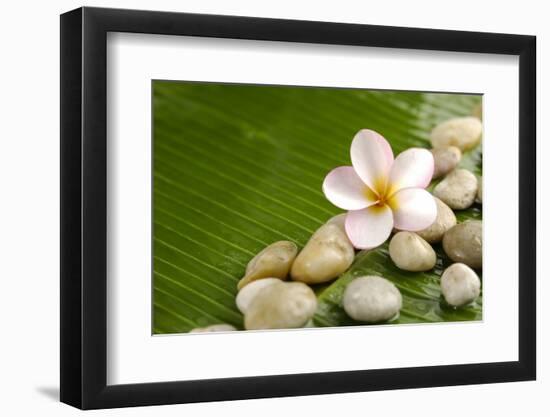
(283, 305)
(464, 243)
(444, 221)
(479, 197)
(326, 255)
(462, 132)
(410, 252)
(274, 261)
(445, 160)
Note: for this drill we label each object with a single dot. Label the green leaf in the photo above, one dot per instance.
(237, 167)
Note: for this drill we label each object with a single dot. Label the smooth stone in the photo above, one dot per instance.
(371, 299)
(327, 254)
(274, 261)
(445, 160)
(460, 285)
(479, 197)
(458, 189)
(444, 221)
(463, 243)
(249, 292)
(462, 132)
(214, 328)
(339, 220)
(282, 305)
(410, 252)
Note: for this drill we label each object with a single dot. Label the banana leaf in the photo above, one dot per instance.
(237, 167)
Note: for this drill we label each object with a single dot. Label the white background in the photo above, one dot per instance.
(133, 60)
(29, 225)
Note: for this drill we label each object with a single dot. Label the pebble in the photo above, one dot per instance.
(411, 253)
(444, 221)
(445, 160)
(249, 292)
(458, 189)
(281, 305)
(372, 299)
(460, 285)
(479, 197)
(214, 328)
(326, 255)
(462, 132)
(463, 243)
(274, 261)
(339, 220)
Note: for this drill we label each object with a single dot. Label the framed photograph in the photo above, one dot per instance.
(257, 208)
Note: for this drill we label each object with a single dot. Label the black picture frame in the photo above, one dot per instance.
(84, 207)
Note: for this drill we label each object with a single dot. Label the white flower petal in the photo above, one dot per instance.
(344, 189)
(413, 209)
(370, 227)
(372, 158)
(412, 168)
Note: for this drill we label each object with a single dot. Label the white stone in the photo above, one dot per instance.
(372, 299)
(458, 189)
(460, 285)
(249, 292)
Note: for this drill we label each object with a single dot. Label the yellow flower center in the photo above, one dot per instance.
(382, 200)
(370, 195)
(380, 193)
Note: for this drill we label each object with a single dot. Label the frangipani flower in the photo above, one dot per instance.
(382, 193)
